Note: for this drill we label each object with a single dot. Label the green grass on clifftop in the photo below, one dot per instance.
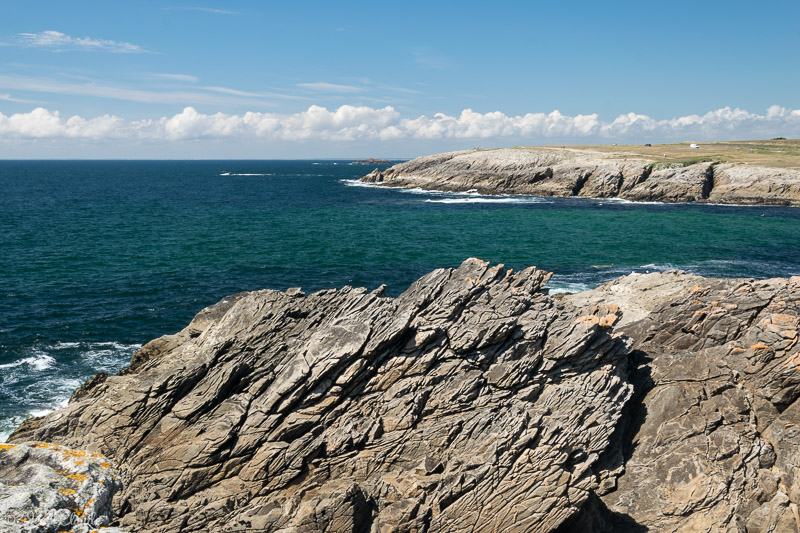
(776, 153)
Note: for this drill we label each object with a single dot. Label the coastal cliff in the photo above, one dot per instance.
(582, 172)
(474, 401)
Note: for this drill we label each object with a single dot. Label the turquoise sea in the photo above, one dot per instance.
(98, 257)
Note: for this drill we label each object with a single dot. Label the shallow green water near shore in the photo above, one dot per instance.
(98, 257)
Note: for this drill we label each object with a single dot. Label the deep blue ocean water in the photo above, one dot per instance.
(98, 257)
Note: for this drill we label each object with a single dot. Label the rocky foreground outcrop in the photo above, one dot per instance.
(572, 172)
(474, 401)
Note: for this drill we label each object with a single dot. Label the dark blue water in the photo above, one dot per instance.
(99, 257)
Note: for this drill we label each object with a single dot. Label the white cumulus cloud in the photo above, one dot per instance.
(364, 123)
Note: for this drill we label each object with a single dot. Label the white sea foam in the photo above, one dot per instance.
(660, 267)
(420, 190)
(61, 345)
(744, 205)
(622, 201)
(567, 287)
(44, 377)
(39, 361)
(243, 174)
(4, 434)
(357, 183)
(40, 412)
(489, 200)
(472, 196)
(115, 345)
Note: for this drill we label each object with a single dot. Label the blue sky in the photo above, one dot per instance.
(340, 79)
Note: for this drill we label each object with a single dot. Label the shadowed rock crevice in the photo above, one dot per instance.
(580, 182)
(595, 517)
(708, 185)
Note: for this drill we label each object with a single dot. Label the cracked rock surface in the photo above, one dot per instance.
(710, 439)
(474, 401)
(471, 402)
(574, 172)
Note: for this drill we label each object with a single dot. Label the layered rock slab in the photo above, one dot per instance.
(710, 441)
(739, 184)
(581, 172)
(471, 402)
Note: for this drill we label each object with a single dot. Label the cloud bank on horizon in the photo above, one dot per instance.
(364, 123)
(332, 79)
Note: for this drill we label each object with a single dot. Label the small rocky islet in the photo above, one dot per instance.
(552, 171)
(372, 161)
(473, 401)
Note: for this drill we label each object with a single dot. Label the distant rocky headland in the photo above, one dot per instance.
(666, 173)
(371, 161)
(474, 401)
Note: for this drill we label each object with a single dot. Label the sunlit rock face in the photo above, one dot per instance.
(555, 171)
(474, 401)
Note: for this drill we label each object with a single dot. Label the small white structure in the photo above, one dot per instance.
(693, 145)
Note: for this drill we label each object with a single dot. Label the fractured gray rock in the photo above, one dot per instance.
(710, 441)
(471, 402)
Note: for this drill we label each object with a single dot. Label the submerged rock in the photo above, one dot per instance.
(474, 401)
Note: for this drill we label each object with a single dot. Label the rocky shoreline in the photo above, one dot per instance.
(474, 401)
(574, 172)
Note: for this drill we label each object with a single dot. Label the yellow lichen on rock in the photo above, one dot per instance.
(55, 479)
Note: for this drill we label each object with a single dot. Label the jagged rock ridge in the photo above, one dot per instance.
(572, 172)
(470, 402)
(474, 401)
